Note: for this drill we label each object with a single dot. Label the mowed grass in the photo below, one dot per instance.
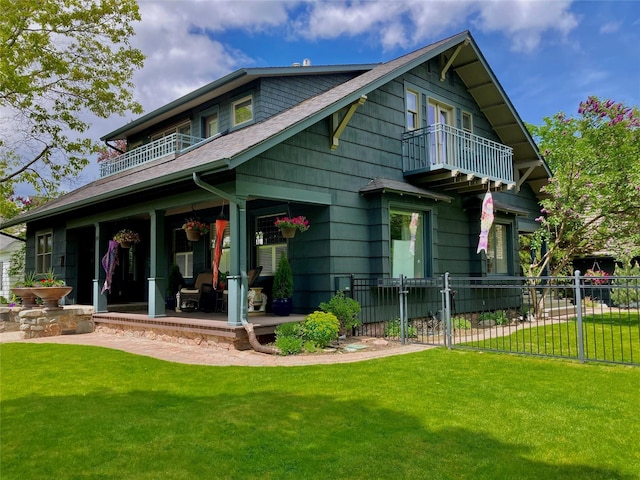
(613, 337)
(75, 412)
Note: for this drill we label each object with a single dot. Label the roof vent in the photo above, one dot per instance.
(296, 64)
(306, 62)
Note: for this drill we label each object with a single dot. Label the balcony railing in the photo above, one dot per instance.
(171, 144)
(443, 147)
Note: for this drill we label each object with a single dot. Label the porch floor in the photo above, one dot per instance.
(187, 326)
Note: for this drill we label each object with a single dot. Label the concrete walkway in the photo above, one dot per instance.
(197, 355)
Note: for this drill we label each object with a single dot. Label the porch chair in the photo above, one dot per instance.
(201, 296)
(252, 276)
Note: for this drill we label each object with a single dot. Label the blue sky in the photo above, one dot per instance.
(548, 55)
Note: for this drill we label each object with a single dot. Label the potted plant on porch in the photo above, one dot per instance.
(126, 237)
(24, 290)
(282, 288)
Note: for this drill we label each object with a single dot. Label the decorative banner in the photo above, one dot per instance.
(221, 224)
(413, 228)
(109, 262)
(486, 219)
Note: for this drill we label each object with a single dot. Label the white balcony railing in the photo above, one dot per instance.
(441, 146)
(171, 144)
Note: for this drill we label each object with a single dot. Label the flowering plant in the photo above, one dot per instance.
(50, 280)
(126, 235)
(195, 225)
(299, 223)
(599, 276)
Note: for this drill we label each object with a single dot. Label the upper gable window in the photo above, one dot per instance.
(242, 111)
(467, 122)
(211, 125)
(413, 110)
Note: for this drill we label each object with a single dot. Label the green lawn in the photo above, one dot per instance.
(613, 337)
(74, 412)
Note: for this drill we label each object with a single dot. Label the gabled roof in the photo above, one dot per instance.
(228, 151)
(221, 86)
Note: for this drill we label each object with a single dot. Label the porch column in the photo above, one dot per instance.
(101, 241)
(237, 285)
(158, 265)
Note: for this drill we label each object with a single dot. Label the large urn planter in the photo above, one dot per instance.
(51, 296)
(282, 307)
(27, 296)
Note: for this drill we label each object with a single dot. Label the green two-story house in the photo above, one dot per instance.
(388, 162)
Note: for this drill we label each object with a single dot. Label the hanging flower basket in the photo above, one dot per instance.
(194, 229)
(192, 235)
(290, 225)
(288, 232)
(126, 237)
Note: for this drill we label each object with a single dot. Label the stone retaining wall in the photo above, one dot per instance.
(44, 322)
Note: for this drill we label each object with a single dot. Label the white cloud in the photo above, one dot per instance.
(610, 27)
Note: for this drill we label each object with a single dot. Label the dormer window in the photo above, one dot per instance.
(413, 109)
(242, 111)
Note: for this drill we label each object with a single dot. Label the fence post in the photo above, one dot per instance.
(402, 304)
(578, 297)
(446, 300)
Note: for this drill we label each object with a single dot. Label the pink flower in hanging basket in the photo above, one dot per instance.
(299, 223)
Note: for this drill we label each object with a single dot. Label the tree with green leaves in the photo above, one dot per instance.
(592, 203)
(60, 61)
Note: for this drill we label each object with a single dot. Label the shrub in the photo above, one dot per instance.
(392, 329)
(283, 280)
(289, 345)
(626, 292)
(321, 328)
(346, 309)
(499, 316)
(460, 323)
(289, 338)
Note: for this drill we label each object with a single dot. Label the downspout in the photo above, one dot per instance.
(253, 340)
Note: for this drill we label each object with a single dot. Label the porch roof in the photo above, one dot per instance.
(229, 151)
(382, 185)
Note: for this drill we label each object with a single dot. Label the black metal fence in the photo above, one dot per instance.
(575, 317)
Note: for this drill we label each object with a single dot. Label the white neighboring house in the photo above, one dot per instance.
(8, 245)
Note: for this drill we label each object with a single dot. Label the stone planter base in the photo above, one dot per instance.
(43, 322)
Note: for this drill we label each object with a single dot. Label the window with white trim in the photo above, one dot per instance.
(407, 243)
(440, 116)
(183, 256)
(412, 99)
(242, 111)
(44, 247)
(270, 244)
(498, 249)
(211, 125)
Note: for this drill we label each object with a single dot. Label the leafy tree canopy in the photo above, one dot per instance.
(592, 203)
(60, 60)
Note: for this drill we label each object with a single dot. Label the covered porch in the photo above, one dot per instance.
(200, 328)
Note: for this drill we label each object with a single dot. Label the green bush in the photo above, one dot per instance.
(626, 292)
(392, 329)
(289, 345)
(321, 328)
(289, 338)
(499, 316)
(346, 309)
(460, 323)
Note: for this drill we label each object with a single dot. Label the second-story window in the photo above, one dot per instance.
(211, 125)
(242, 111)
(413, 109)
(183, 128)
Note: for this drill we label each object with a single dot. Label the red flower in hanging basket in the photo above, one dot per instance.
(299, 223)
(599, 277)
(196, 225)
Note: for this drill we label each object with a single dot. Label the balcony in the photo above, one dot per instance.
(173, 144)
(445, 157)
